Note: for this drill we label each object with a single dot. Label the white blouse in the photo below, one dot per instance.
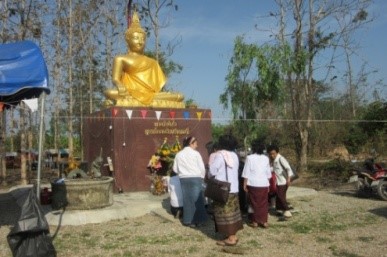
(257, 170)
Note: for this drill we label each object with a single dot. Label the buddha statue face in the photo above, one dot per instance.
(136, 42)
(135, 35)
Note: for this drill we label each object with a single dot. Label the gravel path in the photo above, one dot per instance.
(331, 223)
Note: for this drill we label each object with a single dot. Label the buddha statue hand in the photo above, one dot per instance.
(122, 91)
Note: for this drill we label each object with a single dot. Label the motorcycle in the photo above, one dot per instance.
(370, 179)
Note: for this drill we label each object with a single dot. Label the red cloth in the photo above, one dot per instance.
(273, 184)
(258, 197)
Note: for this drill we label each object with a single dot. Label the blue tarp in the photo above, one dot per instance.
(23, 72)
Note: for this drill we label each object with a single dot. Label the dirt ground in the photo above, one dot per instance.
(332, 223)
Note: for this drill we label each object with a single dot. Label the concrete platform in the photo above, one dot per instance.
(126, 205)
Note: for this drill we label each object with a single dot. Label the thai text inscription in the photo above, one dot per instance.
(166, 128)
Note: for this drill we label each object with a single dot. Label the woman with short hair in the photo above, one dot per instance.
(256, 174)
(228, 218)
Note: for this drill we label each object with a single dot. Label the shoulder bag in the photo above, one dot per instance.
(294, 176)
(218, 190)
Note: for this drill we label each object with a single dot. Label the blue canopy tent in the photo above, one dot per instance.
(23, 75)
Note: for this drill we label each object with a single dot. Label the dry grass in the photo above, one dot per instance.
(333, 223)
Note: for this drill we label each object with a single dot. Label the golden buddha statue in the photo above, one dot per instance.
(138, 78)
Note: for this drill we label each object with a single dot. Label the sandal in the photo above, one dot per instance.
(263, 225)
(221, 243)
(252, 224)
(225, 243)
(231, 244)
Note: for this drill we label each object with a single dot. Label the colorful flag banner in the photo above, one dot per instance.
(186, 115)
(158, 114)
(199, 114)
(129, 113)
(143, 113)
(32, 104)
(114, 112)
(172, 114)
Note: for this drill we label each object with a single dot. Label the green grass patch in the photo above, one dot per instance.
(342, 253)
(110, 246)
(192, 249)
(128, 254)
(91, 242)
(254, 243)
(85, 234)
(323, 239)
(138, 224)
(327, 222)
(164, 239)
(366, 239)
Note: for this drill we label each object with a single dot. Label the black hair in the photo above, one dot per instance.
(257, 146)
(212, 147)
(188, 140)
(227, 142)
(272, 148)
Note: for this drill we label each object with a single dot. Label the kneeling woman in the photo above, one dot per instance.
(228, 218)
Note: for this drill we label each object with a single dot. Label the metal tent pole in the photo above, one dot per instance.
(42, 97)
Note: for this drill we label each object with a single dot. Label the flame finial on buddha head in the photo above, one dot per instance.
(135, 26)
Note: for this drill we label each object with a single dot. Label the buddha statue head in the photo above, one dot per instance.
(135, 36)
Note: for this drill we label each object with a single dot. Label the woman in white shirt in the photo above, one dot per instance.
(189, 165)
(228, 218)
(256, 174)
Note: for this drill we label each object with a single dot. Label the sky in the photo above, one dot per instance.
(208, 29)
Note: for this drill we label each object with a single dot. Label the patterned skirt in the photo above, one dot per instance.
(228, 218)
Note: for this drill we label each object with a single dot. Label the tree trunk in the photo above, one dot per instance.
(30, 144)
(303, 157)
(23, 161)
(57, 76)
(3, 166)
(12, 134)
(70, 70)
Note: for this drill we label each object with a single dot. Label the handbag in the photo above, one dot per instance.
(218, 190)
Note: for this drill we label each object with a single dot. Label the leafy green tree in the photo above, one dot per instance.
(375, 125)
(313, 31)
(20, 20)
(376, 115)
(253, 83)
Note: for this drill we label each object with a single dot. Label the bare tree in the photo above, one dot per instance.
(312, 32)
(21, 20)
(2, 148)
(152, 9)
